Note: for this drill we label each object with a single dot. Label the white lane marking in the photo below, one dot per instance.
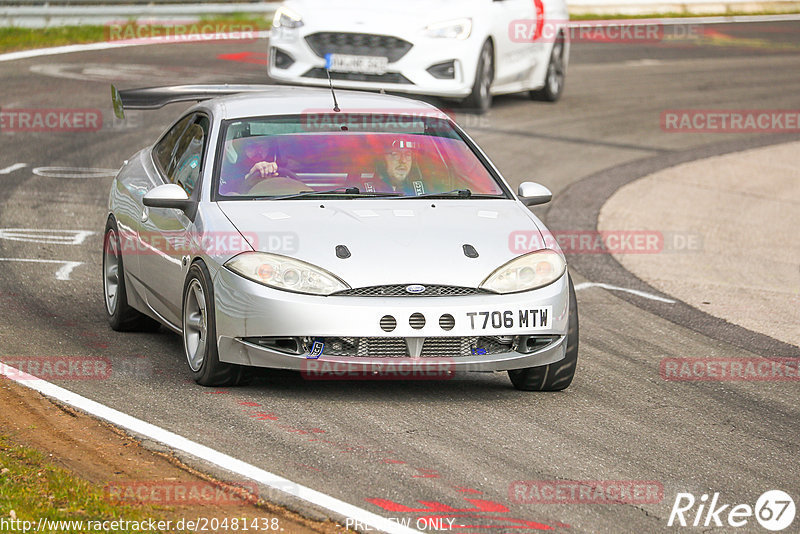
(61, 274)
(98, 72)
(55, 50)
(74, 172)
(12, 168)
(54, 237)
(202, 452)
(587, 285)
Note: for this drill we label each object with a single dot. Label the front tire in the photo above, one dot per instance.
(200, 332)
(480, 100)
(121, 316)
(556, 74)
(559, 375)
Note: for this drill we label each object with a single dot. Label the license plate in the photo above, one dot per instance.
(534, 318)
(357, 64)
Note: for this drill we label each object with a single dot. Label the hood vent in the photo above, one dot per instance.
(342, 252)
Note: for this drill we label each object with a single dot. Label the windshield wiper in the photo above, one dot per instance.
(351, 191)
(460, 193)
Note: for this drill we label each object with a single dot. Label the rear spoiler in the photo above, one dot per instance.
(158, 97)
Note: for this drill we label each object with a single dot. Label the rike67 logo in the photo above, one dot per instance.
(774, 510)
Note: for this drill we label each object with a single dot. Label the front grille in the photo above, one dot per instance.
(389, 77)
(358, 44)
(400, 291)
(433, 347)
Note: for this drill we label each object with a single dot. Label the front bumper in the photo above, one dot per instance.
(245, 309)
(409, 74)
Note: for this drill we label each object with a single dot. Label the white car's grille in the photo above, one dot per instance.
(358, 44)
(387, 77)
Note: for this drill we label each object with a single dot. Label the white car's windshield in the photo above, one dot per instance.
(352, 155)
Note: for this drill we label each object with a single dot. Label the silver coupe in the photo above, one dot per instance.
(343, 235)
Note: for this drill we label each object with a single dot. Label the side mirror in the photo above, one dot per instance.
(531, 194)
(167, 196)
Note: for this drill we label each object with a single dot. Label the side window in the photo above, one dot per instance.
(165, 149)
(184, 163)
(188, 159)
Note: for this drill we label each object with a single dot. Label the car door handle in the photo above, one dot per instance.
(145, 214)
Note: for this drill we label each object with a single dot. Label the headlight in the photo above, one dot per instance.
(286, 18)
(451, 29)
(531, 271)
(285, 273)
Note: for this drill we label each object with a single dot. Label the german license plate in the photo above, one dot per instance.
(357, 64)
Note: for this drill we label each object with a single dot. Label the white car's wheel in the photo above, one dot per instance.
(480, 100)
(556, 74)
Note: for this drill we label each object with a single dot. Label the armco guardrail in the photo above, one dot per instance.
(66, 13)
(44, 13)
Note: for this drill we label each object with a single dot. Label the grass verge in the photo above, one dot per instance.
(33, 488)
(14, 39)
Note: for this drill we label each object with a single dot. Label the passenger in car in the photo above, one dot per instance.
(397, 170)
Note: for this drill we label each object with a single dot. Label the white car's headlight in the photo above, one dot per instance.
(450, 29)
(286, 18)
(531, 271)
(281, 272)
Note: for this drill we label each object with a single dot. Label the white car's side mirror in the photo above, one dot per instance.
(531, 194)
(167, 196)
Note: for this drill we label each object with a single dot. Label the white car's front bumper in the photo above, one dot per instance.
(293, 60)
(247, 312)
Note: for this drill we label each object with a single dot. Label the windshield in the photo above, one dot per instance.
(352, 155)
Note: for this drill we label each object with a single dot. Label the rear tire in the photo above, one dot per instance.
(480, 100)
(559, 375)
(556, 74)
(121, 316)
(200, 333)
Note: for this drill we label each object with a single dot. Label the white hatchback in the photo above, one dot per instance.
(461, 49)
